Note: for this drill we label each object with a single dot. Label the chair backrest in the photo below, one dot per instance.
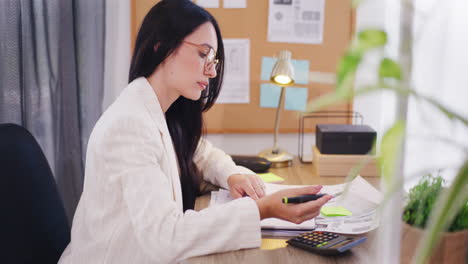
(33, 223)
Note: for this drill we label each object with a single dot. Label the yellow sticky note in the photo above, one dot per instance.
(334, 211)
(270, 243)
(270, 177)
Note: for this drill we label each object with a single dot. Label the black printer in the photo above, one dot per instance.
(344, 139)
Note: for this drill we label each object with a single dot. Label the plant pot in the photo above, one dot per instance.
(452, 247)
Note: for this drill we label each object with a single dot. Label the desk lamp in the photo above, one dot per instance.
(283, 76)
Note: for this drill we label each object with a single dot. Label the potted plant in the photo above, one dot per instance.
(452, 247)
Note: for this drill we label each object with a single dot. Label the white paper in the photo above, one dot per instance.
(362, 199)
(235, 3)
(208, 3)
(275, 223)
(236, 83)
(223, 196)
(296, 21)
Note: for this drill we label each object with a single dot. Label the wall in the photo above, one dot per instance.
(378, 109)
(252, 144)
(372, 107)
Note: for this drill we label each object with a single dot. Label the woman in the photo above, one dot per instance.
(146, 157)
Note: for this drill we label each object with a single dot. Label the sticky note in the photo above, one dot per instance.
(301, 69)
(334, 211)
(270, 177)
(267, 67)
(269, 95)
(296, 99)
(272, 243)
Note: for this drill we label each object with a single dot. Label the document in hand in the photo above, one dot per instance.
(223, 196)
(362, 199)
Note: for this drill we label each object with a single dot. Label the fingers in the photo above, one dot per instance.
(251, 191)
(315, 205)
(309, 210)
(258, 185)
(243, 184)
(235, 194)
(323, 200)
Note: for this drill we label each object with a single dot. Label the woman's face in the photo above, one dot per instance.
(191, 66)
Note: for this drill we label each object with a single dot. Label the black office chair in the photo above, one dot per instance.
(33, 224)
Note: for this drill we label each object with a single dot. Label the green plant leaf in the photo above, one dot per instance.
(356, 3)
(447, 112)
(390, 150)
(369, 39)
(389, 69)
(347, 67)
(336, 97)
(324, 101)
(421, 200)
(445, 210)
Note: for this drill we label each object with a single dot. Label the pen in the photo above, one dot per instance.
(305, 198)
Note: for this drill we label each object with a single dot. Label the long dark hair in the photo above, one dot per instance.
(166, 25)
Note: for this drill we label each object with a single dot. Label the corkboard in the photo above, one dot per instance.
(252, 23)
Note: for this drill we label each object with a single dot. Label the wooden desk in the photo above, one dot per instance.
(297, 174)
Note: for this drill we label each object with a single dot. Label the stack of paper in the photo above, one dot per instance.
(361, 199)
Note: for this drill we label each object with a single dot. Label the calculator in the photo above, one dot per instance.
(325, 243)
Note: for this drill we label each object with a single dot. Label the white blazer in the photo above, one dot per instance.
(130, 210)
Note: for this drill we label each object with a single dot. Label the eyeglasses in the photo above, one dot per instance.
(208, 53)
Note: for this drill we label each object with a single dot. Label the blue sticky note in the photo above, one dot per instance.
(296, 99)
(269, 95)
(267, 67)
(301, 71)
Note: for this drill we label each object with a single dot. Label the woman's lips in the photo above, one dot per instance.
(202, 85)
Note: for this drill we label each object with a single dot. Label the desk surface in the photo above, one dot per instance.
(297, 174)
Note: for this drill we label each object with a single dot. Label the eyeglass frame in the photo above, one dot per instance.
(213, 61)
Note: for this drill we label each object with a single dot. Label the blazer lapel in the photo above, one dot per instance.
(152, 104)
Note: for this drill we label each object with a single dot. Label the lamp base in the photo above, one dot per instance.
(279, 158)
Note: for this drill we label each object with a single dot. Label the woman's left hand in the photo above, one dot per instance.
(246, 184)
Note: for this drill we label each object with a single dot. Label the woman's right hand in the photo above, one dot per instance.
(272, 205)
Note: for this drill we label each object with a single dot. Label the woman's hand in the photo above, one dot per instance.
(272, 205)
(246, 184)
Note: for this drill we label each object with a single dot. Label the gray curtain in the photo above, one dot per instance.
(51, 79)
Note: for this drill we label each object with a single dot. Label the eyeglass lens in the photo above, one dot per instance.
(210, 59)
